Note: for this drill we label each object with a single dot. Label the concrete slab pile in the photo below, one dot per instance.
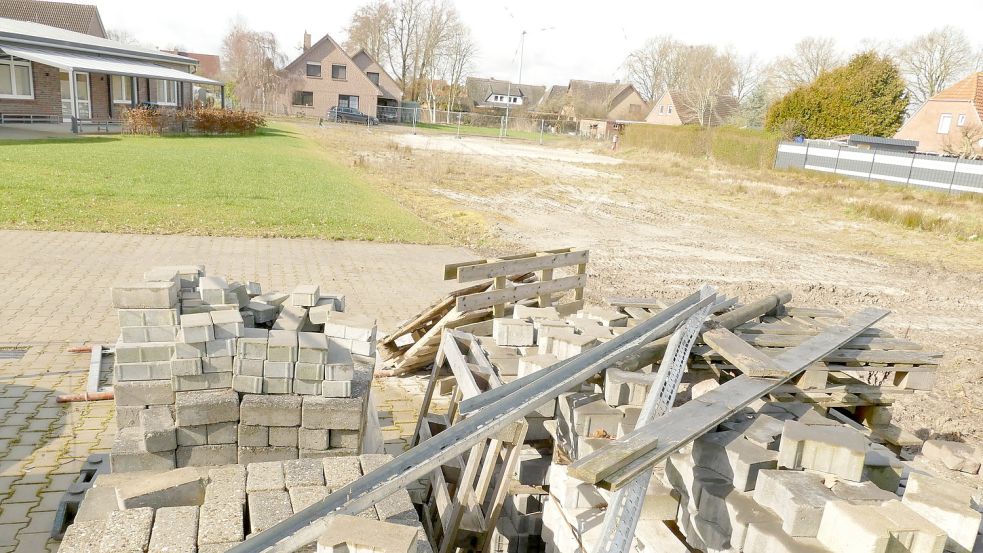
(215, 508)
(212, 372)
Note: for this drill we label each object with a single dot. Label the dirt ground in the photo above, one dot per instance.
(659, 225)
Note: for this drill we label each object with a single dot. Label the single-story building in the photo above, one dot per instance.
(48, 75)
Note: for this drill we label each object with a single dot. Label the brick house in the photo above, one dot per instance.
(325, 76)
(81, 18)
(493, 95)
(594, 100)
(949, 119)
(48, 74)
(676, 108)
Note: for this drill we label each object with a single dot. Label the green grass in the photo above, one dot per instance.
(275, 183)
(484, 131)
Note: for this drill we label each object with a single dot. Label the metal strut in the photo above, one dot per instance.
(625, 506)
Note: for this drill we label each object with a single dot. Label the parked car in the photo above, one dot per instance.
(388, 114)
(350, 115)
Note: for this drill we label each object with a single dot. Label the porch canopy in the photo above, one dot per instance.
(77, 61)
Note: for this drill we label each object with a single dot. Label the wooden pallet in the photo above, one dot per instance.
(504, 282)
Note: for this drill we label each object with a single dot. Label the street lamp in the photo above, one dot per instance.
(508, 97)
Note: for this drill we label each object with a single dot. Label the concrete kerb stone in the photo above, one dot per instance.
(348, 533)
(948, 505)
(830, 449)
(264, 410)
(83, 537)
(128, 454)
(143, 393)
(220, 522)
(145, 295)
(175, 488)
(267, 508)
(175, 530)
(798, 498)
(341, 471)
(265, 477)
(127, 531)
(303, 473)
(159, 433)
(206, 407)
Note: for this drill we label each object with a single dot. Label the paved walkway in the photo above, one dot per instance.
(56, 294)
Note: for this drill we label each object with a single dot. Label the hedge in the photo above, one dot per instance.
(741, 147)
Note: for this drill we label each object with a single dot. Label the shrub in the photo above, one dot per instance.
(201, 120)
(866, 96)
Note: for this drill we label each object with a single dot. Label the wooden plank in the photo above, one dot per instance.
(860, 342)
(813, 312)
(642, 303)
(772, 328)
(473, 302)
(861, 356)
(614, 465)
(742, 355)
(451, 269)
(471, 273)
(459, 366)
(545, 300)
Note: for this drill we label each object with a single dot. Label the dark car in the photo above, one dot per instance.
(350, 115)
(388, 114)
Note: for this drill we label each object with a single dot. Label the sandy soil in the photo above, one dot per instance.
(653, 240)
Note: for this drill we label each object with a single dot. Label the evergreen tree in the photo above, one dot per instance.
(866, 96)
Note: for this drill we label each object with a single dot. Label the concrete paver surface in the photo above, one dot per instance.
(56, 295)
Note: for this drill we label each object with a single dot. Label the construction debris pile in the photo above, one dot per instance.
(209, 372)
(210, 509)
(708, 424)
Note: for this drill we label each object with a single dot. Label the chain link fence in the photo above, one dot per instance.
(522, 125)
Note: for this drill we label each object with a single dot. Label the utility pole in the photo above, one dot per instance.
(508, 97)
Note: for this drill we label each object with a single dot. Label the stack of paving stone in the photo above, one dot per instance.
(210, 509)
(782, 478)
(214, 372)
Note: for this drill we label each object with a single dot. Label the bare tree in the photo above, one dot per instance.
(933, 61)
(656, 67)
(367, 29)
(709, 75)
(811, 56)
(122, 35)
(967, 145)
(458, 62)
(417, 40)
(252, 62)
(748, 75)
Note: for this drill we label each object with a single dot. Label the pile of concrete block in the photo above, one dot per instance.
(210, 371)
(782, 478)
(210, 509)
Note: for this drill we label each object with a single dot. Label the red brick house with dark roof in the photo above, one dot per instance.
(948, 117)
(80, 18)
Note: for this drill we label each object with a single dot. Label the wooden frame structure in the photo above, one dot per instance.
(465, 496)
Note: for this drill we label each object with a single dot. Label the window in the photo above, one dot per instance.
(304, 98)
(662, 109)
(122, 89)
(670, 108)
(314, 70)
(339, 72)
(166, 92)
(944, 123)
(15, 78)
(374, 77)
(345, 101)
(962, 120)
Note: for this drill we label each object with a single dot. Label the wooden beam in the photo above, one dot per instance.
(451, 269)
(742, 355)
(521, 292)
(613, 466)
(537, 262)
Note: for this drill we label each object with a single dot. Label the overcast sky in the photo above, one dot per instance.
(566, 38)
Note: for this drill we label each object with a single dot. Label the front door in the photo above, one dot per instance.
(82, 96)
(67, 97)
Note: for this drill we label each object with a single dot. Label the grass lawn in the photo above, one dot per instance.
(276, 183)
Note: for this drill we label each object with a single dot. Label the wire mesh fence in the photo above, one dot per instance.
(521, 125)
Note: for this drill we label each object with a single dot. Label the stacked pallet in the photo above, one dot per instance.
(223, 373)
(414, 344)
(213, 509)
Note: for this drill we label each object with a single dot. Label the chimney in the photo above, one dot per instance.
(307, 41)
